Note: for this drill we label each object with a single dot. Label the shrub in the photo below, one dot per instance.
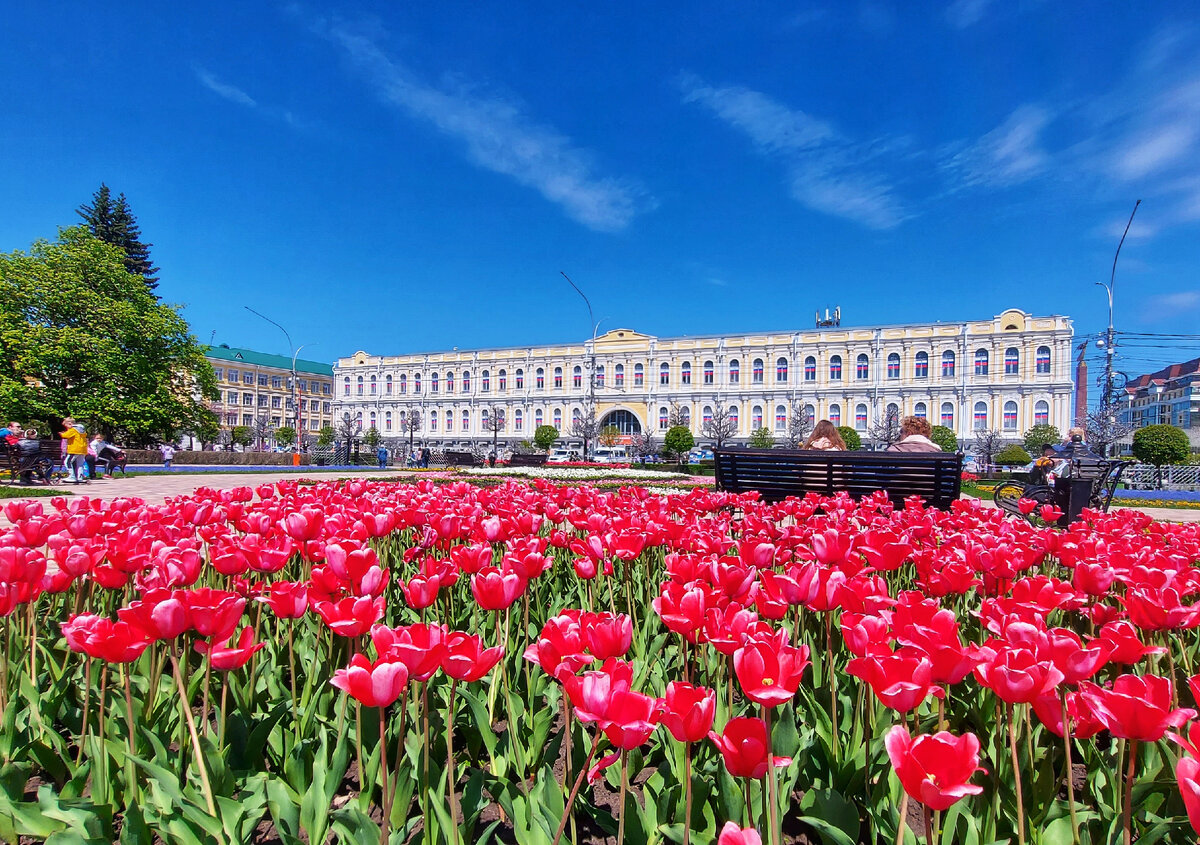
(853, 441)
(944, 437)
(678, 441)
(544, 437)
(1161, 445)
(1041, 435)
(1012, 456)
(762, 438)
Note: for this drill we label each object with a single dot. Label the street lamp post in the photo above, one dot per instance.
(592, 367)
(292, 386)
(1110, 334)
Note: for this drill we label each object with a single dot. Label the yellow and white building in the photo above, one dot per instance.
(1006, 373)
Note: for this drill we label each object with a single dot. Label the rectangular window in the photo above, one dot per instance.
(247, 398)
(262, 401)
(231, 419)
(247, 378)
(276, 382)
(893, 369)
(708, 374)
(863, 369)
(577, 380)
(325, 389)
(664, 377)
(276, 402)
(217, 373)
(231, 397)
(520, 381)
(540, 381)
(637, 378)
(685, 376)
(233, 375)
(262, 380)
(325, 407)
(947, 368)
(758, 373)
(922, 368)
(275, 421)
(558, 381)
(619, 378)
(1011, 365)
(247, 419)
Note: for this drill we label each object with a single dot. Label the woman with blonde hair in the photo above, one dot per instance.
(825, 438)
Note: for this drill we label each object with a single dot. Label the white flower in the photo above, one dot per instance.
(581, 473)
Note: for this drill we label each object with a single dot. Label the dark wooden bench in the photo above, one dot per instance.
(529, 459)
(778, 473)
(1098, 479)
(40, 467)
(459, 459)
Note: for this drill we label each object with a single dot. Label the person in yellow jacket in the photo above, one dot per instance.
(77, 447)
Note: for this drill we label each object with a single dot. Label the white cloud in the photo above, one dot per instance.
(1007, 155)
(222, 89)
(826, 171)
(965, 13)
(1166, 305)
(499, 136)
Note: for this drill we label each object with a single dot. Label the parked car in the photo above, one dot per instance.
(610, 455)
(562, 456)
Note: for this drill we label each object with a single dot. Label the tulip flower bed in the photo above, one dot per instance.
(364, 661)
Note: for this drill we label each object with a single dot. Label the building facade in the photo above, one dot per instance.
(1007, 373)
(256, 386)
(1170, 396)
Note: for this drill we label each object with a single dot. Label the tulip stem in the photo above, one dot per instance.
(1016, 764)
(902, 826)
(87, 699)
(621, 799)
(562, 824)
(1070, 771)
(833, 715)
(131, 788)
(383, 774)
(292, 677)
(687, 792)
(191, 726)
(451, 779)
(1129, 775)
(769, 798)
(425, 763)
(928, 814)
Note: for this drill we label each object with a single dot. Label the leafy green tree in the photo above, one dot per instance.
(285, 436)
(1161, 445)
(371, 438)
(241, 435)
(544, 437)
(678, 442)
(1012, 455)
(944, 437)
(113, 222)
(609, 435)
(1041, 435)
(82, 336)
(325, 436)
(206, 429)
(762, 438)
(850, 436)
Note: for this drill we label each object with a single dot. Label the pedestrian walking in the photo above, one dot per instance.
(76, 444)
(382, 454)
(168, 454)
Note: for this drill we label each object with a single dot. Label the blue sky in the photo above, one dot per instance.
(405, 177)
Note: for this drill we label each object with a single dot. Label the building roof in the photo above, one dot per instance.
(237, 355)
(1166, 374)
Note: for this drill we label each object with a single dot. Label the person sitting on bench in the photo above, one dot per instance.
(1043, 467)
(30, 450)
(914, 436)
(825, 438)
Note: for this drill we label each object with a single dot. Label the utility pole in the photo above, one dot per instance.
(592, 357)
(1110, 334)
(292, 387)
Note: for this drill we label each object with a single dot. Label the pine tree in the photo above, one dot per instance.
(114, 223)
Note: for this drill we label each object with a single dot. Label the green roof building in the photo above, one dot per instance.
(256, 391)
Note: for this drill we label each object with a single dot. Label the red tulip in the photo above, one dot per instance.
(559, 649)
(97, 636)
(769, 669)
(352, 616)
(591, 692)
(902, 681)
(743, 745)
(161, 614)
(375, 684)
(731, 834)
(934, 769)
(682, 608)
(1137, 707)
(465, 658)
(289, 599)
(630, 718)
(1016, 675)
(224, 657)
(1076, 662)
(689, 711)
(214, 613)
(420, 647)
(421, 591)
(1187, 774)
(496, 590)
(606, 634)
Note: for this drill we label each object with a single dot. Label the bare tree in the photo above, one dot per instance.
(585, 427)
(494, 422)
(225, 439)
(262, 431)
(347, 428)
(986, 444)
(1105, 427)
(678, 415)
(720, 427)
(410, 425)
(643, 445)
(799, 425)
(887, 429)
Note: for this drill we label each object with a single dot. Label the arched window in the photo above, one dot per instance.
(466, 381)
(1012, 361)
(403, 383)
(835, 414)
(735, 371)
(919, 410)
(387, 385)
(708, 372)
(733, 417)
(893, 410)
(518, 420)
(449, 421)
(577, 377)
(948, 364)
(520, 376)
(780, 417)
(810, 415)
(576, 416)
(1041, 412)
(862, 367)
(756, 417)
(1010, 416)
(685, 415)
(757, 369)
(835, 368)
(860, 417)
(810, 368)
(981, 362)
(1043, 360)
(433, 382)
(539, 378)
(466, 421)
(483, 418)
(639, 375)
(360, 385)
(346, 386)
(485, 381)
(373, 420)
(558, 378)
(781, 368)
(981, 421)
(664, 373)
(374, 385)
(600, 376)
(433, 421)
(663, 416)
(449, 382)
(921, 367)
(685, 373)
(619, 375)
(706, 415)
(948, 414)
(893, 365)
(538, 418)
(502, 379)
(416, 382)
(387, 420)
(558, 418)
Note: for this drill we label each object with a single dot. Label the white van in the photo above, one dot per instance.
(562, 456)
(610, 455)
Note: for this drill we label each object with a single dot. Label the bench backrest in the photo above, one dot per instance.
(778, 473)
(527, 460)
(459, 459)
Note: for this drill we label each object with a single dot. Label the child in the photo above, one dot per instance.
(77, 448)
(168, 454)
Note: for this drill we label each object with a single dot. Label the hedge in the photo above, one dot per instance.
(147, 456)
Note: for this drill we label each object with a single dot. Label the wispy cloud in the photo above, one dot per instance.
(965, 13)
(1007, 155)
(1170, 305)
(499, 136)
(223, 89)
(826, 171)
